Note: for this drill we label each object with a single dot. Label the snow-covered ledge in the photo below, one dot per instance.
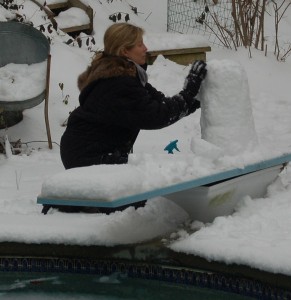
(180, 48)
(181, 56)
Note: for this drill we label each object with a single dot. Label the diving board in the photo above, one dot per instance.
(265, 171)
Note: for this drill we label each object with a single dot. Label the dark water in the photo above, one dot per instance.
(46, 286)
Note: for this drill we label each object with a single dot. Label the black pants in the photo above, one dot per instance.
(98, 159)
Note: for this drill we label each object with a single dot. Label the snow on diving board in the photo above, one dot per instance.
(177, 191)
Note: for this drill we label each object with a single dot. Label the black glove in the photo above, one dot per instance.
(196, 75)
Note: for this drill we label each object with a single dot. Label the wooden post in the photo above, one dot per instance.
(46, 102)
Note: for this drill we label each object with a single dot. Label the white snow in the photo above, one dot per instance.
(173, 41)
(73, 16)
(226, 112)
(22, 81)
(257, 232)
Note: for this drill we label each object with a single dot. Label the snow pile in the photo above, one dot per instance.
(91, 183)
(22, 81)
(226, 111)
(73, 16)
(257, 234)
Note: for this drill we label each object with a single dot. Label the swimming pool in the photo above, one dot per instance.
(15, 285)
(87, 278)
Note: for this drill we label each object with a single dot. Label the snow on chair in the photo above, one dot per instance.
(23, 45)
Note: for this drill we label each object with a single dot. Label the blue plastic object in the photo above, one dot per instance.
(171, 147)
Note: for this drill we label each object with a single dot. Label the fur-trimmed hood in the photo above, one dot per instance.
(106, 67)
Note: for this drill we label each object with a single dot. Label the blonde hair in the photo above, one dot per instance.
(121, 36)
(117, 37)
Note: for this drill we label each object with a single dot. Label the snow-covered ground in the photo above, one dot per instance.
(257, 232)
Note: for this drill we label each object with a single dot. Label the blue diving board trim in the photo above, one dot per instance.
(284, 159)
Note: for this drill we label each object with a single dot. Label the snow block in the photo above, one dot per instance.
(226, 110)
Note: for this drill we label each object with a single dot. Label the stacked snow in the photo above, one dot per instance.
(226, 112)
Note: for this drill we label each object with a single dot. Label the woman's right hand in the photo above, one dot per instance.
(195, 77)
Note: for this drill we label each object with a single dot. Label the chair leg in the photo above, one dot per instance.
(45, 209)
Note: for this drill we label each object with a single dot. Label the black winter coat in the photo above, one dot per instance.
(114, 107)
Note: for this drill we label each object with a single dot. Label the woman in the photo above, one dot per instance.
(116, 102)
